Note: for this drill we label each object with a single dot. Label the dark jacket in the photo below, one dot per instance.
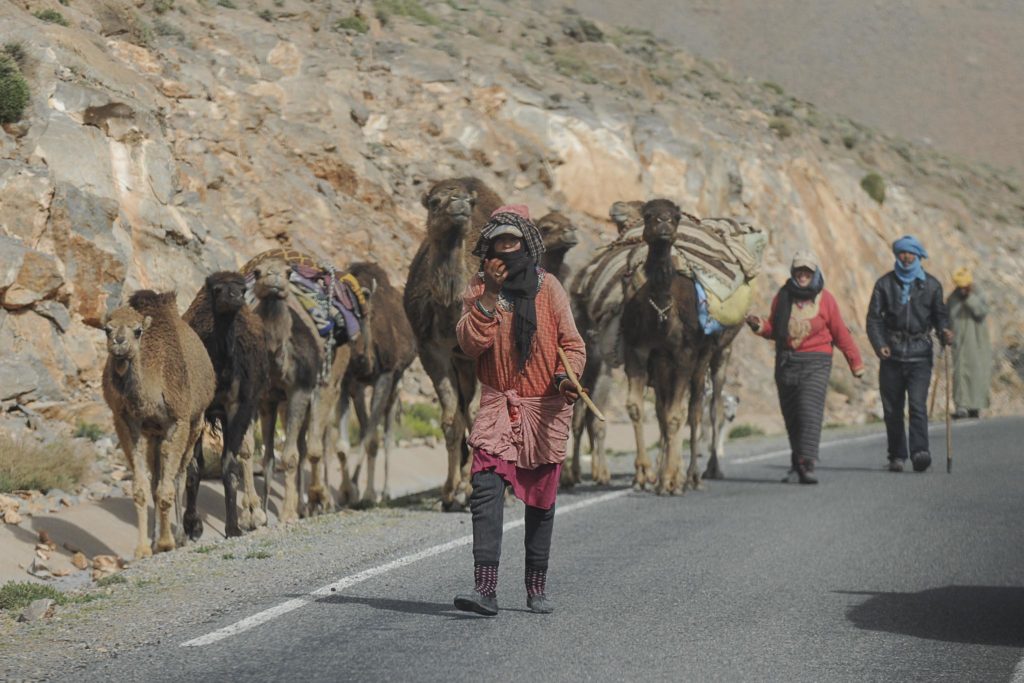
(905, 328)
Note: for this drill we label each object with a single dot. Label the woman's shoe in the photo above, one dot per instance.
(486, 605)
(540, 604)
(805, 471)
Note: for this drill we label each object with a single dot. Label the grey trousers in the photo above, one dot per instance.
(487, 503)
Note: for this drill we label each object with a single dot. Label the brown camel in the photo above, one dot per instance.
(233, 336)
(379, 358)
(456, 210)
(666, 347)
(597, 376)
(158, 382)
(559, 237)
(293, 350)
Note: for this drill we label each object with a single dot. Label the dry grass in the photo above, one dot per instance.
(27, 464)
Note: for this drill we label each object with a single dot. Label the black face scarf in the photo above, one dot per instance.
(789, 293)
(521, 289)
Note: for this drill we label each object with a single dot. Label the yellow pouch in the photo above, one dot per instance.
(733, 310)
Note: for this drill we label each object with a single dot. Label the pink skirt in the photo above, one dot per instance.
(537, 487)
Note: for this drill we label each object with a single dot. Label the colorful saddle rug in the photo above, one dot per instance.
(334, 301)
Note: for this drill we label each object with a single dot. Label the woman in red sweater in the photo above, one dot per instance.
(805, 323)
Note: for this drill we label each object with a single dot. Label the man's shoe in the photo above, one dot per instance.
(486, 605)
(921, 461)
(539, 604)
(960, 413)
(974, 413)
(895, 465)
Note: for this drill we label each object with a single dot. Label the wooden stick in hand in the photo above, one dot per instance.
(579, 387)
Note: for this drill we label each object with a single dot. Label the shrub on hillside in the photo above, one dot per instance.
(411, 9)
(51, 16)
(781, 126)
(874, 185)
(353, 24)
(27, 464)
(742, 431)
(13, 89)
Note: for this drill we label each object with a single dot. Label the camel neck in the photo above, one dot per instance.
(554, 260)
(658, 268)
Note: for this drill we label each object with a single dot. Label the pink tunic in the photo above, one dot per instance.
(523, 424)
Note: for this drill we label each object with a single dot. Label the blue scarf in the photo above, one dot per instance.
(915, 271)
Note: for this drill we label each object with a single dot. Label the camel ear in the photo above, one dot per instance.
(146, 322)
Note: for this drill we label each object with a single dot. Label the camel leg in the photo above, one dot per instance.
(668, 405)
(174, 444)
(350, 400)
(194, 437)
(636, 372)
(570, 471)
(316, 499)
(696, 408)
(438, 368)
(192, 523)
(303, 446)
(229, 475)
(465, 371)
(599, 462)
(252, 515)
(135, 459)
(383, 389)
(363, 418)
(268, 425)
(389, 442)
(296, 416)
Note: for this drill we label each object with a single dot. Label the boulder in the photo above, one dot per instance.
(38, 278)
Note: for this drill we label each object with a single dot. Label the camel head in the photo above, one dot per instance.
(626, 215)
(226, 290)
(449, 205)
(271, 279)
(661, 219)
(124, 328)
(558, 232)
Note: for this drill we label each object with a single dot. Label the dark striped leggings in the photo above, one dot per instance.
(802, 381)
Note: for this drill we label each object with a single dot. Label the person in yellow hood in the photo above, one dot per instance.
(972, 349)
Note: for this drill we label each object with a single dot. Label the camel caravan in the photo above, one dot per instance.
(300, 345)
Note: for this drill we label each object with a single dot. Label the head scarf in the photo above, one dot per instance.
(962, 277)
(789, 293)
(523, 280)
(915, 271)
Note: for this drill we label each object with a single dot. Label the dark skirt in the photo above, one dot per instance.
(802, 382)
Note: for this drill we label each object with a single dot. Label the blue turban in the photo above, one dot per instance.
(909, 244)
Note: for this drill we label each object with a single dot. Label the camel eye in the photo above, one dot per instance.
(138, 332)
(258, 273)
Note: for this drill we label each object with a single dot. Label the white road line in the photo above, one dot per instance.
(1018, 671)
(294, 604)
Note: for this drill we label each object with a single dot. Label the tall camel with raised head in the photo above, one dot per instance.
(665, 346)
(559, 235)
(379, 358)
(233, 336)
(456, 210)
(158, 382)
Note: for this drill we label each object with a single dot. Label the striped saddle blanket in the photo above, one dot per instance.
(334, 301)
(722, 254)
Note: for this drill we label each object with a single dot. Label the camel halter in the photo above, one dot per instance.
(662, 312)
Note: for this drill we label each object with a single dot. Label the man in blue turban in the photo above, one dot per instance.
(906, 305)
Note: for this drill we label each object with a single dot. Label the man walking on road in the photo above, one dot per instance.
(906, 305)
(972, 350)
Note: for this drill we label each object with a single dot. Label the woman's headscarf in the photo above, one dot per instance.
(915, 271)
(791, 292)
(522, 283)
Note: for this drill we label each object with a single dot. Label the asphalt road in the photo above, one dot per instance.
(868, 576)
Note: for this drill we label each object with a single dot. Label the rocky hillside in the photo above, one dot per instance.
(165, 139)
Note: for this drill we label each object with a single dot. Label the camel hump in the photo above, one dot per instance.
(367, 272)
(148, 302)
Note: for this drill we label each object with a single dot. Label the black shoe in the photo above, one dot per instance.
(539, 604)
(974, 413)
(805, 472)
(895, 465)
(960, 414)
(486, 605)
(921, 461)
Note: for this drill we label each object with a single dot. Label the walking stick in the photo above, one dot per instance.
(935, 391)
(579, 387)
(949, 418)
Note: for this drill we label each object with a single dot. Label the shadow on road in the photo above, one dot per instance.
(435, 609)
(982, 615)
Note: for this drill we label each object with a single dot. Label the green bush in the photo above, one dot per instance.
(161, 6)
(420, 420)
(16, 51)
(574, 67)
(266, 15)
(411, 9)
(774, 87)
(17, 595)
(88, 430)
(874, 185)
(13, 89)
(742, 431)
(353, 24)
(111, 580)
(230, 4)
(51, 16)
